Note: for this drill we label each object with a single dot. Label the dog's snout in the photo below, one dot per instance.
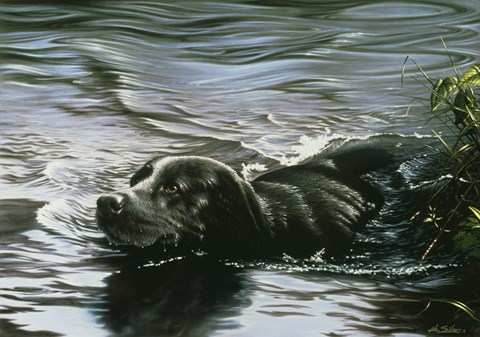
(111, 204)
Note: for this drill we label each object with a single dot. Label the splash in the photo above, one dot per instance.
(309, 147)
(249, 170)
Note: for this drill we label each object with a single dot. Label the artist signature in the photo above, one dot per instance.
(438, 329)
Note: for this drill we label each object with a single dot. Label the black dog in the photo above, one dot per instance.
(182, 204)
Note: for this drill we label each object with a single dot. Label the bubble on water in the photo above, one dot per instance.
(150, 264)
(199, 252)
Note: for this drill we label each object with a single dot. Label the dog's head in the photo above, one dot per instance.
(189, 202)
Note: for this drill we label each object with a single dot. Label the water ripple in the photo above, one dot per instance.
(91, 91)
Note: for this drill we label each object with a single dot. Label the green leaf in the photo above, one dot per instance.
(460, 305)
(464, 241)
(475, 253)
(441, 90)
(458, 108)
(468, 223)
(434, 99)
(471, 76)
(463, 149)
(476, 212)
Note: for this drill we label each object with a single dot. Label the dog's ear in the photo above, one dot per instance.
(252, 208)
(240, 209)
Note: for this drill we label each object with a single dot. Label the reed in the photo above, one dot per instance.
(454, 100)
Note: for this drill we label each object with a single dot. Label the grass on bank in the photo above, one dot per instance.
(454, 100)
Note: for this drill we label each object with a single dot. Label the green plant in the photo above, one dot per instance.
(459, 95)
(457, 304)
(467, 240)
(454, 100)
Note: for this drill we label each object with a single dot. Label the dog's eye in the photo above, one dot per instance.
(171, 188)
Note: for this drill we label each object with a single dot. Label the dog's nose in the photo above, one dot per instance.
(111, 204)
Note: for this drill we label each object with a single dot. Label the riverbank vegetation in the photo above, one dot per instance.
(455, 100)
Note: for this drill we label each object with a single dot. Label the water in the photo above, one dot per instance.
(90, 91)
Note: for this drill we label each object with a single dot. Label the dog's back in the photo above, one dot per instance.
(324, 201)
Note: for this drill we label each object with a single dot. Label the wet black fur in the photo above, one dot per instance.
(180, 204)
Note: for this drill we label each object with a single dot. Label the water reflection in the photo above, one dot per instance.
(197, 297)
(189, 297)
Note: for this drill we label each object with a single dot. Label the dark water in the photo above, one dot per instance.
(92, 89)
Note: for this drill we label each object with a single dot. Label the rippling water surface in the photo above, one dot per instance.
(90, 90)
